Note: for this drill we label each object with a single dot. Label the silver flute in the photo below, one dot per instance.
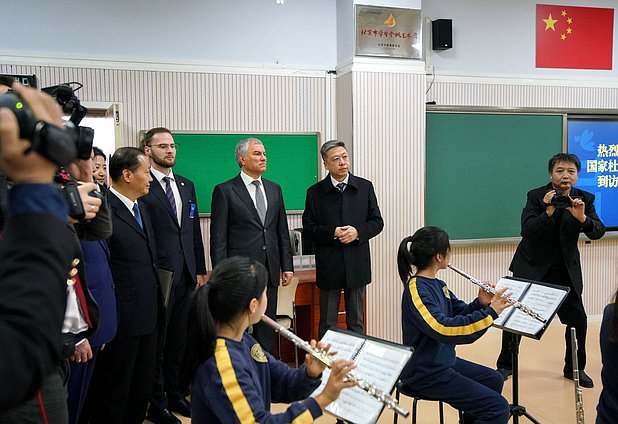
(371, 389)
(579, 398)
(490, 289)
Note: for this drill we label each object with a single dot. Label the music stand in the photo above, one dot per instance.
(543, 298)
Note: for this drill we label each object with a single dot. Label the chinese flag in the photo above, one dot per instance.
(574, 37)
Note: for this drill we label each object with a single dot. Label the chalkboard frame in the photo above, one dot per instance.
(471, 110)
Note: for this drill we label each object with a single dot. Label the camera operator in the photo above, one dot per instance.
(551, 222)
(34, 261)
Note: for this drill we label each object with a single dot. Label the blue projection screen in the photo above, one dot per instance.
(595, 142)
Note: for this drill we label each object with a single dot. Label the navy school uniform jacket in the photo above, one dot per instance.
(434, 321)
(239, 382)
(608, 401)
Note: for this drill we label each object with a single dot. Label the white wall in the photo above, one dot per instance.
(497, 37)
(299, 33)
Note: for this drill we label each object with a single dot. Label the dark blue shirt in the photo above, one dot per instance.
(607, 410)
(37, 198)
(238, 384)
(434, 321)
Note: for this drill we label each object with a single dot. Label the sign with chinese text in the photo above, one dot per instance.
(595, 142)
(388, 32)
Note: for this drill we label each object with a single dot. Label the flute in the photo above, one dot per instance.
(579, 398)
(370, 388)
(490, 289)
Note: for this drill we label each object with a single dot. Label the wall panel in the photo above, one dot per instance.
(389, 150)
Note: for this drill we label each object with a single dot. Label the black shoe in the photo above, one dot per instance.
(182, 406)
(505, 373)
(584, 380)
(163, 416)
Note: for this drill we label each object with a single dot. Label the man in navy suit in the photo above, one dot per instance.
(341, 216)
(122, 382)
(248, 219)
(172, 206)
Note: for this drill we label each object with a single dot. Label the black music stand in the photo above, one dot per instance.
(517, 410)
(518, 324)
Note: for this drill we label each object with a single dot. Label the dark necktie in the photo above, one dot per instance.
(260, 203)
(341, 187)
(138, 215)
(170, 194)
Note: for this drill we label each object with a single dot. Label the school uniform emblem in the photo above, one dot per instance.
(258, 354)
(447, 294)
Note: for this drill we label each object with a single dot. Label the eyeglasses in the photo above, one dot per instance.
(173, 146)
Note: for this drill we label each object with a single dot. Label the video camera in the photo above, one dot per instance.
(59, 145)
(562, 201)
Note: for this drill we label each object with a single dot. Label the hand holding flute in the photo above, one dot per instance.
(337, 380)
(498, 301)
(343, 370)
(490, 289)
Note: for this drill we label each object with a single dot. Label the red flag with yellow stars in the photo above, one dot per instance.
(574, 37)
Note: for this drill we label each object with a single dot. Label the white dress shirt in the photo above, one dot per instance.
(251, 187)
(159, 177)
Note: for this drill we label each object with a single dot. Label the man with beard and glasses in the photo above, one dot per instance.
(172, 205)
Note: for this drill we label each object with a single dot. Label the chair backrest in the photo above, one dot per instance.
(285, 298)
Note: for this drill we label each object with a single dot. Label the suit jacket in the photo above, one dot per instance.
(539, 246)
(101, 284)
(133, 257)
(236, 228)
(342, 265)
(35, 259)
(178, 246)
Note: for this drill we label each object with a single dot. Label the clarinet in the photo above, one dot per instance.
(579, 399)
(490, 289)
(327, 360)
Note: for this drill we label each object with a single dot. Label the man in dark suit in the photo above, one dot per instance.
(172, 206)
(341, 216)
(248, 219)
(122, 382)
(554, 216)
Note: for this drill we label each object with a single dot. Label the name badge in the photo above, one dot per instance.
(192, 211)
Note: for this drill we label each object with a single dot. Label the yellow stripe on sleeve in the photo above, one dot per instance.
(230, 384)
(303, 418)
(462, 330)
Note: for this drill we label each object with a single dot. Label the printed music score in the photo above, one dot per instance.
(378, 362)
(541, 298)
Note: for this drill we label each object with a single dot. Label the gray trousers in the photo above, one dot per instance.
(354, 299)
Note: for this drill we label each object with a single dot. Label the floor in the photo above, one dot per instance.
(547, 396)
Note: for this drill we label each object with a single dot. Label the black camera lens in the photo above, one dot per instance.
(50, 141)
(561, 201)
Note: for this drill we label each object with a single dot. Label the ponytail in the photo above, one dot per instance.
(417, 251)
(405, 259)
(232, 285)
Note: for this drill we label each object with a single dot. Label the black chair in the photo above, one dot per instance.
(407, 390)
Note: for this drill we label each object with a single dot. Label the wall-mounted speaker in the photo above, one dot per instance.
(442, 34)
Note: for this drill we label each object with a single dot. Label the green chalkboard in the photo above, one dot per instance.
(480, 167)
(208, 159)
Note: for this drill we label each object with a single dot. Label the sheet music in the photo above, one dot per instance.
(345, 345)
(376, 362)
(543, 300)
(517, 288)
